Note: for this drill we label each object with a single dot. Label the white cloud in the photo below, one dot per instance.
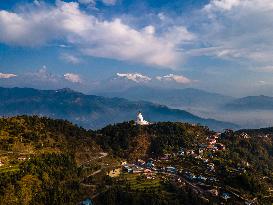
(161, 16)
(93, 2)
(149, 30)
(237, 30)
(262, 83)
(43, 75)
(109, 2)
(136, 77)
(93, 36)
(7, 75)
(69, 58)
(222, 4)
(176, 78)
(267, 69)
(72, 77)
(87, 1)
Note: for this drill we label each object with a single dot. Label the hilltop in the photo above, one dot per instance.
(132, 142)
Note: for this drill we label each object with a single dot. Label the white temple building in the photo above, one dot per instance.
(140, 120)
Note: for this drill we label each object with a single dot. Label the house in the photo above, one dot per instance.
(211, 167)
(114, 172)
(137, 169)
(171, 170)
(150, 163)
(220, 146)
(217, 135)
(128, 169)
(200, 151)
(190, 152)
(225, 196)
(212, 141)
(178, 180)
(210, 155)
(123, 162)
(210, 147)
(213, 192)
(147, 171)
(197, 156)
(201, 178)
(86, 201)
(140, 162)
(181, 153)
(212, 179)
(150, 177)
(189, 176)
(202, 145)
(244, 135)
(166, 157)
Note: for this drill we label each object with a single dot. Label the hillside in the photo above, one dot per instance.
(130, 141)
(90, 111)
(45, 161)
(40, 160)
(243, 168)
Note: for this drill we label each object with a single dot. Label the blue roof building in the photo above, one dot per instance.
(87, 201)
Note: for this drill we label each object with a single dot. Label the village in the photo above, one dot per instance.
(163, 168)
(176, 167)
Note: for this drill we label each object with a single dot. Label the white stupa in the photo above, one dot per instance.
(140, 120)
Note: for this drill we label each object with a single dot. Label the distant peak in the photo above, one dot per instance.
(66, 90)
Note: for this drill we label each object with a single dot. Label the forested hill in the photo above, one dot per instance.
(130, 141)
(91, 111)
(40, 135)
(40, 160)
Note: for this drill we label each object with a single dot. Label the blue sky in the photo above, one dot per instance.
(223, 46)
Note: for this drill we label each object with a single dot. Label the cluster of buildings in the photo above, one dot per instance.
(146, 167)
(244, 135)
(213, 145)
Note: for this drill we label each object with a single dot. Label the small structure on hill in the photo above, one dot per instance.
(87, 201)
(140, 120)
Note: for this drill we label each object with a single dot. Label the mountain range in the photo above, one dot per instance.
(247, 112)
(91, 111)
(176, 98)
(251, 103)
